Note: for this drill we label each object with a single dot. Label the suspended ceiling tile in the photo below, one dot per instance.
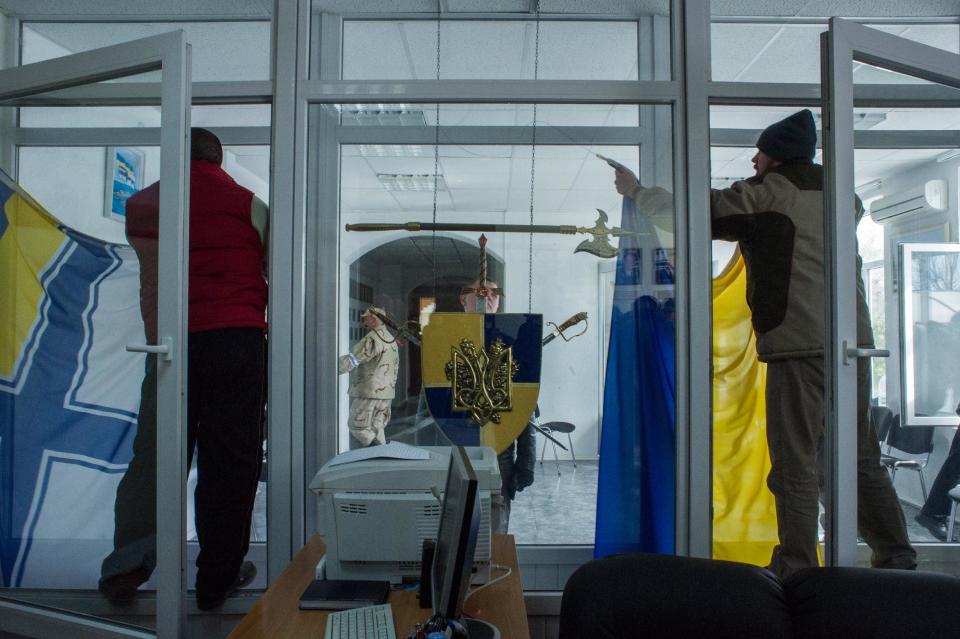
(586, 50)
(374, 50)
(594, 172)
(487, 50)
(184, 9)
(585, 202)
(544, 200)
(748, 117)
(498, 6)
(941, 36)
(734, 46)
(481, 200)
(476, 173)
(402, 165)
(367, 200)
(230, 115)
(820, 8)
(920, 119)
(221, 50)
(355, 173)
(474, 151)
(420, 203)
(627, 154)
(721, 155)
(866, 74)
(914, 155)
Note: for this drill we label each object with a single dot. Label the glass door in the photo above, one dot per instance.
(92, 351)
(909, 291)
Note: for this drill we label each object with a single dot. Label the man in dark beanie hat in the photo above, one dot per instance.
(793, 138)
(776, 217)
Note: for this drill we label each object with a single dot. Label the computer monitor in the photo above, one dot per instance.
(456, 537)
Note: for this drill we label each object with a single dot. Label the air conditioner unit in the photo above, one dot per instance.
(930, 196)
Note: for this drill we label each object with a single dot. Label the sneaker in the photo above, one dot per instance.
(936, 525)
(245, 576)
(121, 589)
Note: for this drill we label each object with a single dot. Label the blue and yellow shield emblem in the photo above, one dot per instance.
(481, 375)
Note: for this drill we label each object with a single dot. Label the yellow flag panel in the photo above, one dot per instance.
(744, 519)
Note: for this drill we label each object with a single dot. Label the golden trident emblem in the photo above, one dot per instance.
(482, 383)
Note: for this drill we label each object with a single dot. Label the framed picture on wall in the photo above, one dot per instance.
(930, 332)
(124, 178)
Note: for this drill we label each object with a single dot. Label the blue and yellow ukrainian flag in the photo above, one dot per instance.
(69, 393)
(636, 490)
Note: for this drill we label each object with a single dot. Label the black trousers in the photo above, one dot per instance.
(938, 501)
(226, 391)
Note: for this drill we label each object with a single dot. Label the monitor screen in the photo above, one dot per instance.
(456, 537)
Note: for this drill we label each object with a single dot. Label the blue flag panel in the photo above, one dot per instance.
(636, 486)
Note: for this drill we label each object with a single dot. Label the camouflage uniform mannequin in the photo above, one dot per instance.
(373, 363)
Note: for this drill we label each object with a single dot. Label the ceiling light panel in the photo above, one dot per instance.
(411, 181)
(380, 115)
(391, 150)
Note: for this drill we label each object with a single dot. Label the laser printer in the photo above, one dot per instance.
(373, 515)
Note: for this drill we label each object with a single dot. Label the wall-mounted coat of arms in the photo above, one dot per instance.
(481, 375)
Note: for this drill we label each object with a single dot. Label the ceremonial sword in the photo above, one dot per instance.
(598, 245)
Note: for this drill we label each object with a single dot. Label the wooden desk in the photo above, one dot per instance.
(277, 613)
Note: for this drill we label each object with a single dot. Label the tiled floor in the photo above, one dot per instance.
(561, 509)
(557, 508)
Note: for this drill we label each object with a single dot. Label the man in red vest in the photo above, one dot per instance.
(226, 381)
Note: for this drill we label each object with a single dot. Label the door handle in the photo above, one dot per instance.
(850, 355)
(163, 348)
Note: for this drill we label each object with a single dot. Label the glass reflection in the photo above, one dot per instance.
(430, 285)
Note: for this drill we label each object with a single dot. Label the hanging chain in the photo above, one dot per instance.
(436, 163)
(533, 164)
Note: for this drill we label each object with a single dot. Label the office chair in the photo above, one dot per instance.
(558, 427)
(881, 417)
(915, 441)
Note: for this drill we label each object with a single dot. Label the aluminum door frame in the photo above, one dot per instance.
(843, 44)
(170, 54)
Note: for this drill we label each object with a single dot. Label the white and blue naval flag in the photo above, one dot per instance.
(69, 393)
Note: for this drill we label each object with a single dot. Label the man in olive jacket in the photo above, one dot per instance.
(776, 217)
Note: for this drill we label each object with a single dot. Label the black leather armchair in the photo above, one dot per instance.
(646, 595)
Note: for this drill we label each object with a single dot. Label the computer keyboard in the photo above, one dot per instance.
(368, 622)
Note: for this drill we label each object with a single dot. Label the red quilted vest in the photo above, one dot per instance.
(227, 287)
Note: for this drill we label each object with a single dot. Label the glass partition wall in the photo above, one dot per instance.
(476, 179)
(500, 136)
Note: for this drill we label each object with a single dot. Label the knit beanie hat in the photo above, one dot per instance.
(793, 138)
